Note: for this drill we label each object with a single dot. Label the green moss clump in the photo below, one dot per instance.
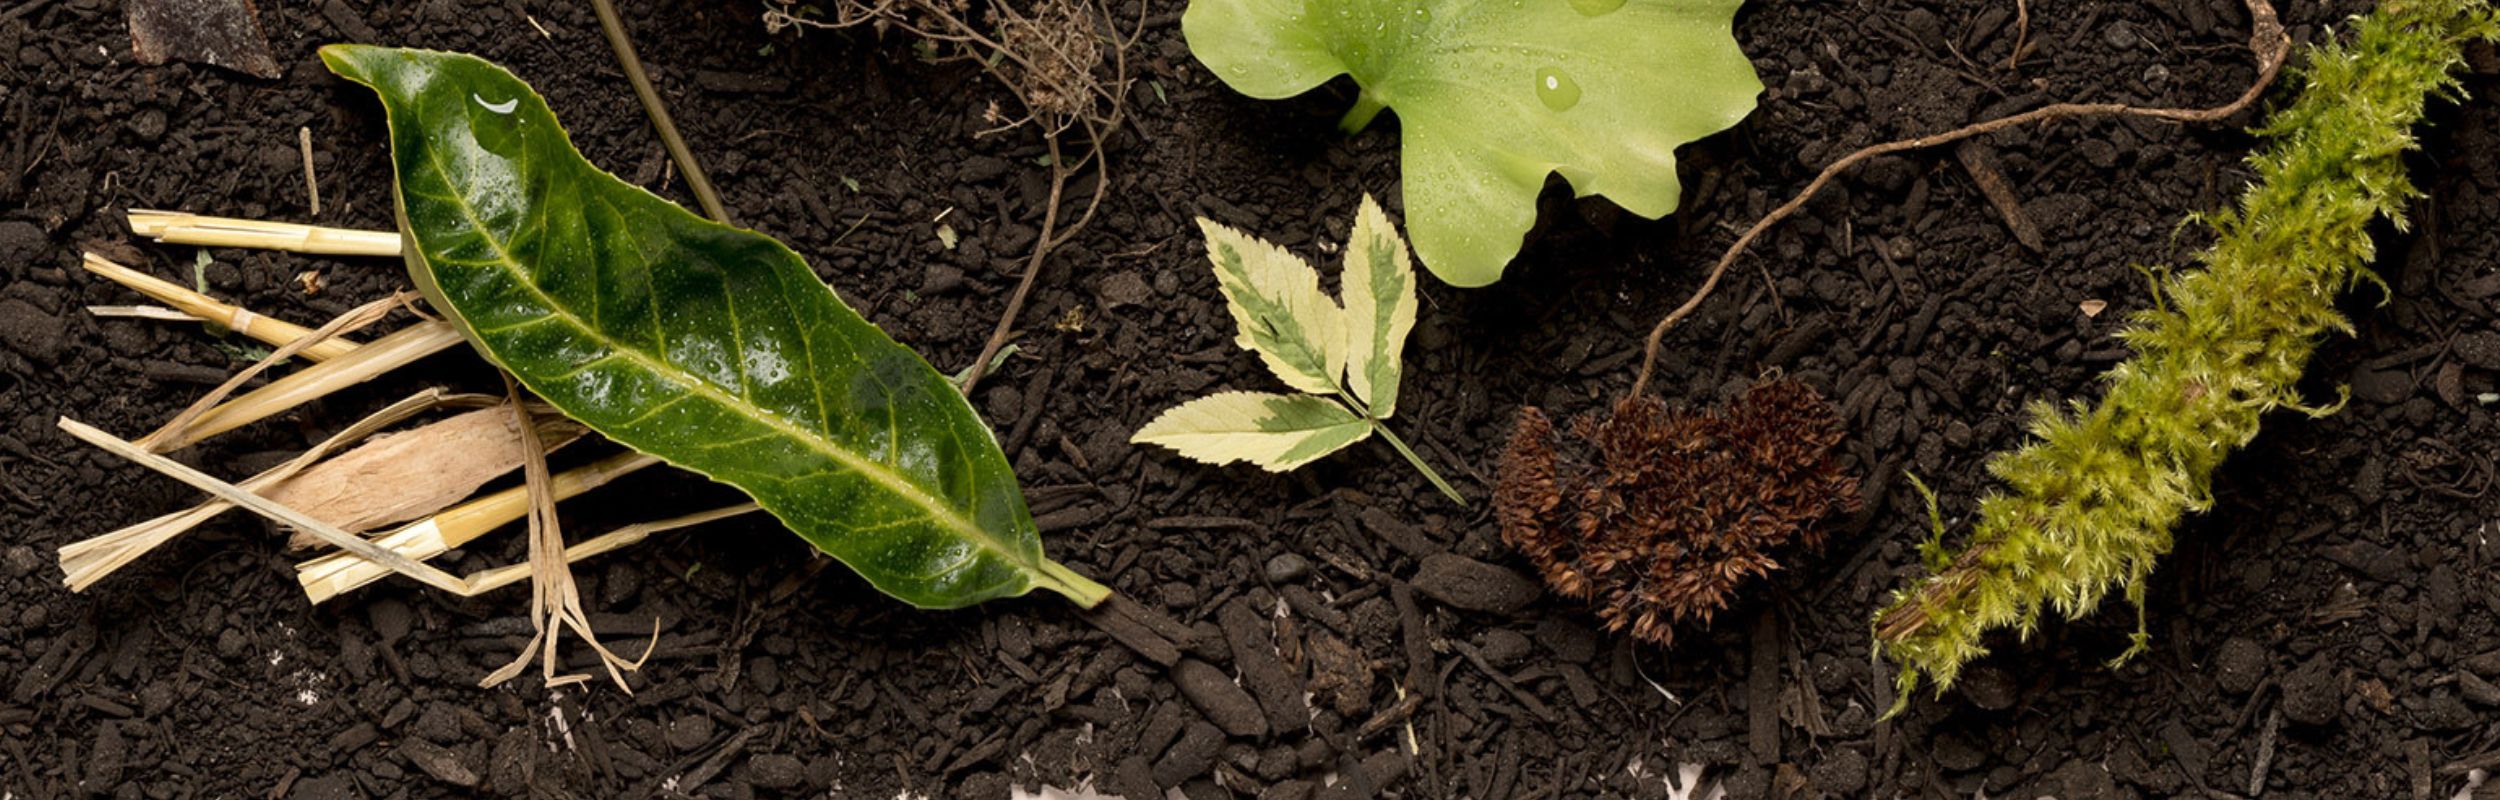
(2090, 505)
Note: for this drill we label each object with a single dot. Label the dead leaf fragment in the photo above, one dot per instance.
(219, 33)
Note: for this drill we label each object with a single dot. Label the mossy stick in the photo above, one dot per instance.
(2090, 504)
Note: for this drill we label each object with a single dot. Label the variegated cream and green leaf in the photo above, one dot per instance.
(1278, 309)
(1344, 358)
(1275, 431)
(1380, 308)
(712, 348)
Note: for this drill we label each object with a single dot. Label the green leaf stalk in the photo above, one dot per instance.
(2090, 504)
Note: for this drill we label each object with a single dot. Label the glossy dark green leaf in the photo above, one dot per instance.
(713, 348)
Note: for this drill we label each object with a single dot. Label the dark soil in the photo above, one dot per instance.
(2326, 631)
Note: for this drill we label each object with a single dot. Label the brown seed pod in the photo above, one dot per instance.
(1679, 508)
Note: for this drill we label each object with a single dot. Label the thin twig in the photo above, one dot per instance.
(2266, 39)
(1032, 269)
(312, 186)
(614, 27)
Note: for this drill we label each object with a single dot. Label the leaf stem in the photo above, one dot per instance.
(1083, 590)
(1418, 461)
(1366, 106)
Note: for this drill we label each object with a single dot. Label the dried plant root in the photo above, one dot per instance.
(2266, 40)
(87, 561)
(1679, 509)
(175, 227)
(275, 332)
(2090, 505)
(555, 601)
(339, 573)
(414, 473)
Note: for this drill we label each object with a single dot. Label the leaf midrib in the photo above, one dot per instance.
(875, 471)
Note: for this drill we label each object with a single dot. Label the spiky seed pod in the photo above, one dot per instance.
(1678, 509)
(2089, 506)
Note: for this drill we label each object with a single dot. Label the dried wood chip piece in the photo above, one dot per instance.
(403, 476)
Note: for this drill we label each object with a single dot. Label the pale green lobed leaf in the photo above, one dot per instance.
(1380, 308)
(1278, 432)
(1494, 95)
(1278, 309)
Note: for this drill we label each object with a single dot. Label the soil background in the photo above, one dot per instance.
(2327, 630)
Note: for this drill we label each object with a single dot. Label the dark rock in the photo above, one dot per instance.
(1570, 641)
(334, 786)
(2384, 387)
(2476, 690)
(107, 757)
(1287, 568)
(20, 561)
(1190, 757)
(1465, 583)
(1842, 772)
(438, 761)
(1217, 696)
(1278, 690)
(22, 245)
(1957, 754)
(2479, 349)
(1988, 687)
(2442, 713)
(1503, 647)
(1370, 778)
(776, 771)
(689, 732)
(29, 331)
(2239, 664)
(1289, 790)
(2313, 695)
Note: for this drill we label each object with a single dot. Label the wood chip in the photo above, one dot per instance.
(1981, 161)
(403, 476)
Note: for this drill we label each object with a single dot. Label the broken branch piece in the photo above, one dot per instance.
(276, 332)
(175, 227)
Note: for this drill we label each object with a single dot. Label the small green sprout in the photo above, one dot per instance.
(1343, 359)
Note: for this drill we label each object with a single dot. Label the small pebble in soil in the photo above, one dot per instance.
(1216, 695)
(1287, 568)
(1988, 687)
(2313, 696)
(2476, 690)
(1503, 647)
(776, 771)
(1465, 583)
(29, 331)
(2480, 349)
(2238, 664)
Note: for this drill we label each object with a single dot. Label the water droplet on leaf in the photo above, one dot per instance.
(1558, 91)
(1593, 8)
(504, 107)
